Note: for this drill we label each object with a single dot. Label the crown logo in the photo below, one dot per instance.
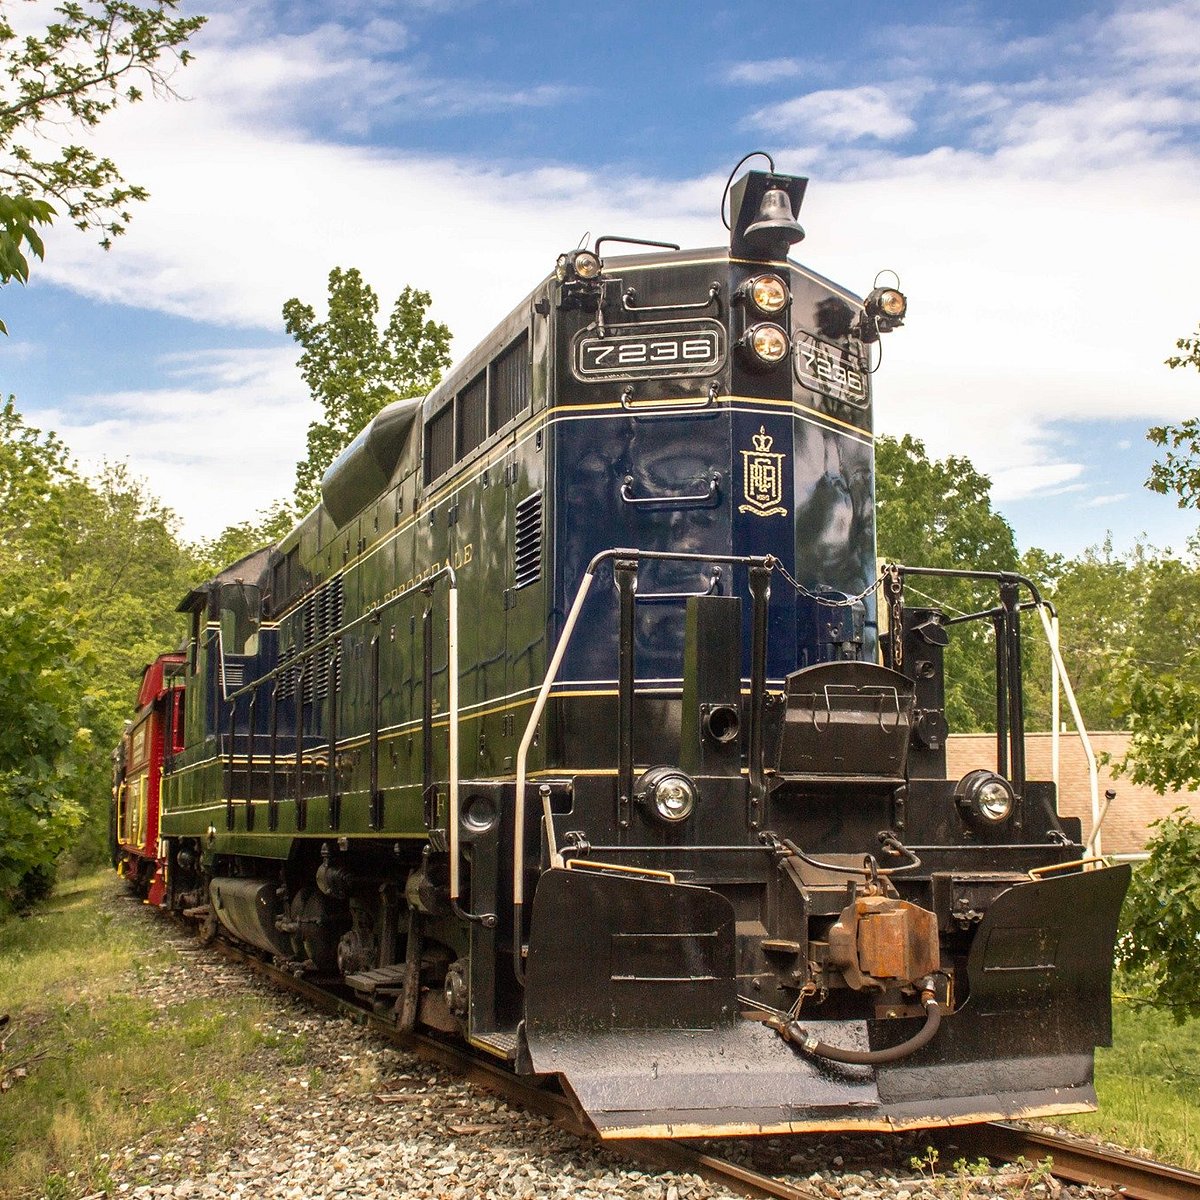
(762, 477)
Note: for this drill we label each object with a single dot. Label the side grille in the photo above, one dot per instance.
(528, 553)
(309, 626)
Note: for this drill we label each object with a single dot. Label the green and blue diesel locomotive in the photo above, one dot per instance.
(577, 720)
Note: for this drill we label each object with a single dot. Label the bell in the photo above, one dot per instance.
(775, 228)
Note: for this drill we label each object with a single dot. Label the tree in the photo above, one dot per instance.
(90, 573)
(234, 542)
(43, 718)
(1163, 682)
(1179, 472)
(1161, 918)
(1108, 604)
(938, 513)
(354, 369)
(95, 56)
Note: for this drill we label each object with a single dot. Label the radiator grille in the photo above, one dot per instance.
(528, 555)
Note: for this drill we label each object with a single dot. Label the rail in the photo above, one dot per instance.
(1070, 1159)
(625, 563)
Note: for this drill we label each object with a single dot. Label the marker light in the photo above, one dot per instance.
(768, 293)
(985, 797)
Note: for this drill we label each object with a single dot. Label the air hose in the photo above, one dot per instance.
(794, 1032)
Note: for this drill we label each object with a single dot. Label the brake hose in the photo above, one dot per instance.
(794, 1032)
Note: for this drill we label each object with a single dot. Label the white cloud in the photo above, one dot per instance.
(217, 447)
(1101, 501)
(839, 114)
(1049, 258)
(771, 70)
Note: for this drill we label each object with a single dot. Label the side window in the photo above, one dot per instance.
(489, 402)
(472, 415)
(439, 443)
(510, 384)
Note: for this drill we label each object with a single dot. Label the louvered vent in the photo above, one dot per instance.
(309, 625)
(528, 558)
(331, 622)
(235, 675)
(285, 688)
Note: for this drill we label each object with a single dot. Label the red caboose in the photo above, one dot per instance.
(155, 733)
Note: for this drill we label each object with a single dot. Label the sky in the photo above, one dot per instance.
(1030, 171)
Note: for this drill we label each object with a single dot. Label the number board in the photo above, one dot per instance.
(833, 370)
(648, 351)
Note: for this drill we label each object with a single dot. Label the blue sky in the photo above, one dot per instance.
(1032, 172)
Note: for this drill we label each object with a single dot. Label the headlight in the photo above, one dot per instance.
(667, 793)
(768, 293)
(579, 264)
(587, 265)
(767, 344)
(985, 797)
(887, 306)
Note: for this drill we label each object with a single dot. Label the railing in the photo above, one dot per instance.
(625, 563)
(303, 659)
(1009, 712)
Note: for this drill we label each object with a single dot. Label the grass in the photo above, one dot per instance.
(1147, 1084)
(90, 1066)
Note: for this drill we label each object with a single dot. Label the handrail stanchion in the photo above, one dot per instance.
(252, 714)
(376, 795)
(298, 788)
(272, 798)
(428, 799)
(229, 769)
(760, 591)
(626, 576)
(331, 768)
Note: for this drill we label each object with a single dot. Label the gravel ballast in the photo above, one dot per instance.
(342, 1114)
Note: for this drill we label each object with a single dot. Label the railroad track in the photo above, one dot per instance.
(1073, 1160)
(1077, 1161)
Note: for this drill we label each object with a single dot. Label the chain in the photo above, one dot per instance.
(848, 602)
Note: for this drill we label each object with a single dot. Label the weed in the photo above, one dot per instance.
(926, 1164)
(103, 1069)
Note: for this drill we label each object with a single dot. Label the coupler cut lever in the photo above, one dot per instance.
(793, 1032)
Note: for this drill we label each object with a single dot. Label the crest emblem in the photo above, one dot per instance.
(762, 478)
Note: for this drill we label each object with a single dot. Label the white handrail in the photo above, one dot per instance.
(1093, 842)
(527, 740)
(452, 700)
(1055, 706)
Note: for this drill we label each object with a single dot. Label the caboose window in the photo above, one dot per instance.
(510, 384)
(472, 415)
(439, 443)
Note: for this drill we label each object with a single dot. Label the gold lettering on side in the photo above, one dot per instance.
(463, 556)
(762, 478)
